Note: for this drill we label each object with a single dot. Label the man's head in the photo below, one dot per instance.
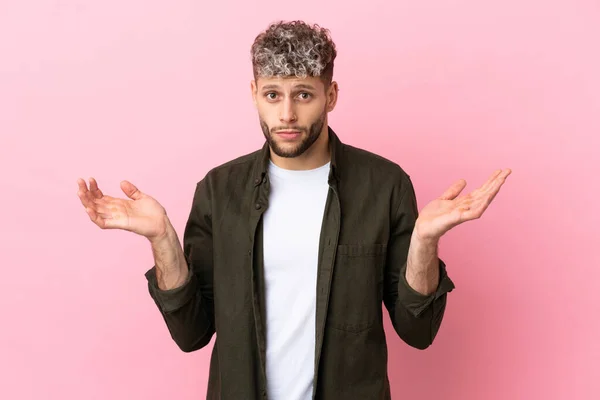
(292, 88)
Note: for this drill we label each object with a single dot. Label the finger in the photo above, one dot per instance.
(490, 181)
(477, 208)
(104, 215)
(454, 190)
(130, 190)
(81, 185)
(88, 199)
(487, 191)
(493, 189)
(96, 192)
(481, 203)
(105, 210)
(85, 197)
(104, 221)
(95, 217)
(84, 194)
(99, 206)
(498, 180)
(82, 188)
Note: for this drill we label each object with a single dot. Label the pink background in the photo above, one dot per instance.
(157, 92)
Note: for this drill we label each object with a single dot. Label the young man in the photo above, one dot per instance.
(289, 252)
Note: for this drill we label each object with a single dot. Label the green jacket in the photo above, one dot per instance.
(369, 217)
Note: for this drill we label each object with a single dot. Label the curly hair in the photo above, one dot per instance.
(294, 48)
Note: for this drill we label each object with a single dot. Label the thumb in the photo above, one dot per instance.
(131, 190)
(454, 190)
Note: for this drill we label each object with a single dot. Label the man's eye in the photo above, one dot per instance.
(305, 96)
(271, 96)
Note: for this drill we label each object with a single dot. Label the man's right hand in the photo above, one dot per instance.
(140, 213)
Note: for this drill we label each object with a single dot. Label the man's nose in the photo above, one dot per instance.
(287, 113)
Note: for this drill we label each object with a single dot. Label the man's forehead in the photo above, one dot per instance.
(289, 82)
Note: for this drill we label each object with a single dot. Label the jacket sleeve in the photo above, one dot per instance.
(188, 309)
(415, 317)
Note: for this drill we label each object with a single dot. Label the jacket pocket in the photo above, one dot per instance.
(357, 287)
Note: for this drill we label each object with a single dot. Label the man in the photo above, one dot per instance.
(290, 251)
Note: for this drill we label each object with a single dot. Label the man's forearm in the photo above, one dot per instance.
(171, 267)
(422, 270)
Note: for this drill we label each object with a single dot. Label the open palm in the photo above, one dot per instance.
(450, 209)
(140, 213)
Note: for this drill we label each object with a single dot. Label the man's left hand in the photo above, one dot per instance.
(450, 210)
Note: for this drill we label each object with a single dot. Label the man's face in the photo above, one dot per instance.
(292, 112)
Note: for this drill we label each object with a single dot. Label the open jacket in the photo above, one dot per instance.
(369, 217)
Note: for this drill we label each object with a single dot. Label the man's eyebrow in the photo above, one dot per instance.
(304, 86)
(270, 87)
(297, 87)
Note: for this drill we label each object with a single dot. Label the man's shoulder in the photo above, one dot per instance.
(239, 167)
(357, 159)
(369, 173)
(245, 161)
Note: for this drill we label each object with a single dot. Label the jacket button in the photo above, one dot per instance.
(257, 206)
(257, 181)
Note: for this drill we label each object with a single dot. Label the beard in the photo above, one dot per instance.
(311, 135)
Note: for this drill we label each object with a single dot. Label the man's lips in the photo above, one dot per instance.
(289, 134)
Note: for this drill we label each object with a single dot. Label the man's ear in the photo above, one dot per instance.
(253, 89)
(332, 96)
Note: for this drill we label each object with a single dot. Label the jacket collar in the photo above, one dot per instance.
(261, 163)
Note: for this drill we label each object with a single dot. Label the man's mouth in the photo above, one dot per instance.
(289, 134)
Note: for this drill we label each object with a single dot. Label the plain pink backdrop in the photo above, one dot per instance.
(157, 92)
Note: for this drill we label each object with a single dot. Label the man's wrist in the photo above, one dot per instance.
(422, 240)
(165, 235)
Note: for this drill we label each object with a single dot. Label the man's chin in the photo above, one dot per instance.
(285, 151)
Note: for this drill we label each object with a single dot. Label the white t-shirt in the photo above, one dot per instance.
(292, 230)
